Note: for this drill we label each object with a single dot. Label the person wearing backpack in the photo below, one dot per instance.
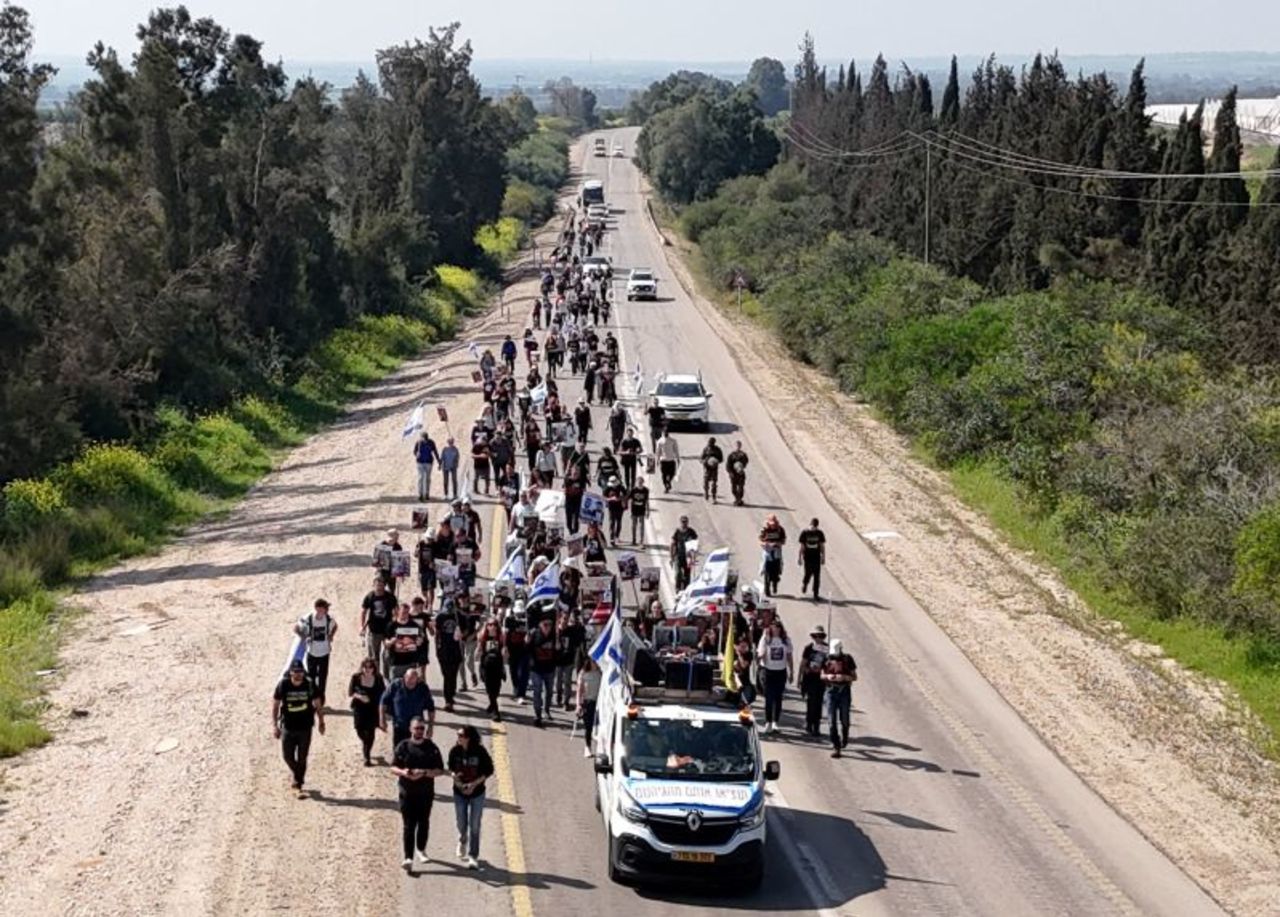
(317, 631)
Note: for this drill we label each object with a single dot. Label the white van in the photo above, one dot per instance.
(592, 193)
(680, 785)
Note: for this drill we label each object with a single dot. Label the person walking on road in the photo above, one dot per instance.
(376, 612)
(772, 537)
(546, 466)
(813, 554)
(493, 657)
(638, 504)
(295, 711)
(712, 459)
(628, 449)
(426, 455)
(668, 454)
(416, 763)
(471, 765)
(317, 631)
(776, 662)
(450, 457)
(449, 650)
(737, 462)
(615, 501)
(839, 673)
(365, 695)
(813, 659)
(542, 648)
(657, 416)
(617, 425)
(407, 699)
(509, 354)
(588, 693)
(680, 552)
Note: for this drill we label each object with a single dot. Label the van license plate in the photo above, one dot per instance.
(690, 856)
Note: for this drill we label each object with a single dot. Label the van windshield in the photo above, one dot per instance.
(688, 749)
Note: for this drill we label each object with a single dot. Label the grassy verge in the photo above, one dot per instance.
(118, 500)
(1248, 664)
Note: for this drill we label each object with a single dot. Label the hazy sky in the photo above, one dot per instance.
(694, 30)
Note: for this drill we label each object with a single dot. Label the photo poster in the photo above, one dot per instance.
(421, 518)
(592, 508)
(628, 566)
(529, 528)
(650, 577)
(464, 557)
(504, 589)
(555, 534)
(573, 545)
(400, 564)
(382, 556)
(477, 376)
(562, 432)
(447, 577)
(594, 591)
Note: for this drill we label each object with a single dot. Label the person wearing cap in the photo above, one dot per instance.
(615, 501)
(295, 711)
(839, 673)
(813, 554)
(812, 660)
(450, 457)
(426, 455)
(317, 631)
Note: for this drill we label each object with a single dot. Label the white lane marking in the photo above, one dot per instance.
(878, 536)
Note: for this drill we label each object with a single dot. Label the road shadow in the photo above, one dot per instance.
(368, 802)
(278, 564)
(903, 820)
(849, 866)
(494, 876)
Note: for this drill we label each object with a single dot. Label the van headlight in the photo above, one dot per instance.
(752, 818)
(629, 809)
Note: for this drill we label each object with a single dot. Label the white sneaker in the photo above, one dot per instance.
(473, 863)
(462, 850)
(422, 857)
(407, 863)
(586, 753)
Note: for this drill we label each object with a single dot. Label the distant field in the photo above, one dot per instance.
(1261, 116)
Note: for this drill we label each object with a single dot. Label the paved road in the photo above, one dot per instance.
(947, 803)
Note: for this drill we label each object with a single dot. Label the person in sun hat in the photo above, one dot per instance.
(812, 660)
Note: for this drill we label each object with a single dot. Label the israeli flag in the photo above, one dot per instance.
(474, 349)
(547, 585)
(513, 570)
(538, 395)
(607, 650)
(710, 585)
(637, 378)
(416, 423)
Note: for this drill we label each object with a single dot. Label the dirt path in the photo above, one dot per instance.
(1163, 746)
(184, 646)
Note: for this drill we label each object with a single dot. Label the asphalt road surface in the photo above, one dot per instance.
(946, 803)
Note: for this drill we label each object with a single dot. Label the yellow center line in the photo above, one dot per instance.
(521, 903)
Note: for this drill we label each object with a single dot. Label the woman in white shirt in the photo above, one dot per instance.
(775, 660)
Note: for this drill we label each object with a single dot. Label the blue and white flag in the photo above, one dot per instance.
(513, 570)
(474, 349)
(710, 585)
(538, 395)
(637, 378)
(607, 650)
(547, 585)
(415, 424)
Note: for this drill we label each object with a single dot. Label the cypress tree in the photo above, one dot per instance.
(949, 116)
(1229, 194)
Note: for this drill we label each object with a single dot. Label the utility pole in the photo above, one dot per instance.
(928, 190)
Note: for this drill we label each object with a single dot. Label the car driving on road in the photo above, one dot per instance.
(641, 284)
(683, 398)
(596, 266)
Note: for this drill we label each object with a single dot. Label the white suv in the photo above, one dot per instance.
(683, 399)
(641, 284)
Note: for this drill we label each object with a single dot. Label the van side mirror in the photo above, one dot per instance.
(603, 765)
(772, 770)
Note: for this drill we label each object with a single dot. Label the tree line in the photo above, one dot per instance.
(1094, 334)
(203, 221)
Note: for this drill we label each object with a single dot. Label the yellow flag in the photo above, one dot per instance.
(728, 675)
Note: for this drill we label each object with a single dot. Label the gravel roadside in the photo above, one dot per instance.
(1166, 748)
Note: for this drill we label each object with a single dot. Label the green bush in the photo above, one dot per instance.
(501, 240)
(29, 504)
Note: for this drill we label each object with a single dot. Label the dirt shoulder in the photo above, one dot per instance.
(1163, 746)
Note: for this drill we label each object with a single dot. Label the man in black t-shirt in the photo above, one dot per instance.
(295, 710)
(375, 618)
(737, 461)
(638, 501)
(813, 554)
(542, 651)
(449, 649)
(629, 449)
(416, 763)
